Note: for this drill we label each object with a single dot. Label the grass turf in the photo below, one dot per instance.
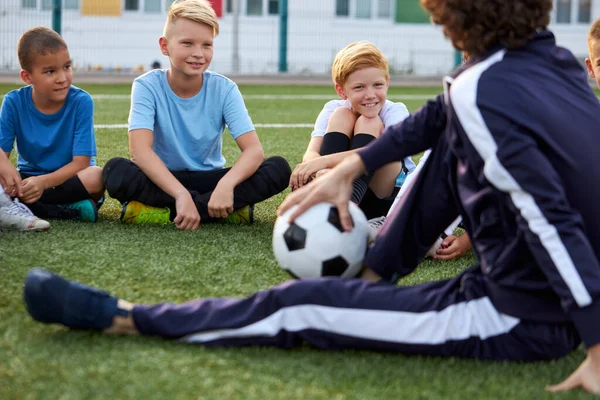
(157, 264)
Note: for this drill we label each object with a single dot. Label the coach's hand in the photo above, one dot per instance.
(334, 187)
(587, 376)
(187, 214)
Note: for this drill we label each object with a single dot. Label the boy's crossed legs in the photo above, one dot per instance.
(126, 182)
(77, 198)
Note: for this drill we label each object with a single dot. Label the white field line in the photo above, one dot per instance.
(276, 97)
(125, 126)
(280, 97)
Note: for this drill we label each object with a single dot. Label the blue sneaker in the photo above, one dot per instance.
(88, 212)
(52, 299)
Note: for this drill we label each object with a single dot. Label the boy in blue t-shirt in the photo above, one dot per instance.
(176, 123)
(52, 124)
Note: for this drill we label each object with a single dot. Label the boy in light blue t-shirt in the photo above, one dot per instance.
(176, 123)
(52, 124)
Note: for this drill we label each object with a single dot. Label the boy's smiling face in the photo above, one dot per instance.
(593, 63)
(366, 90)
(51, 77)
(189, 46)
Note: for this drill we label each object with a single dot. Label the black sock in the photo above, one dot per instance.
(334, 142)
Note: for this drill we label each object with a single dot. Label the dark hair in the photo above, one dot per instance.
(476, 25)
(38, 41)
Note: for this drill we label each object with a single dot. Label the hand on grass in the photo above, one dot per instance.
(10, 178)
(187, 214)
(453, 247)
(306, 170)
(220, 204)
(587, 376)
(32, 189)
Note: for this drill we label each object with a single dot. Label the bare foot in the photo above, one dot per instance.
(123, 325)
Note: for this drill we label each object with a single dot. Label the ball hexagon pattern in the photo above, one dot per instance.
(316, 245)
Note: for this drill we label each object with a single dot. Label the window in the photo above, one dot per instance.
(152, 6)
(47, 5)
(132, 5)
(169, 2)
(254, 7)
(273, 7)
(342, 8)
(228, 7)
(71, 4)
(584, 14)
(363, 9)
(563, 11)
(29, 4)
(384, 9)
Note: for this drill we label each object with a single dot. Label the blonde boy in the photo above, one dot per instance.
(361, 78)
(176, 123)
(593, 62)
(52, 123)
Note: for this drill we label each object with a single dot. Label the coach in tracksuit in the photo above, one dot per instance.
(514, 140)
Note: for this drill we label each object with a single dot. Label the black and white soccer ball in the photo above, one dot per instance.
(316, 245)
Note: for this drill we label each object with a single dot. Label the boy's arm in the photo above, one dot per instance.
(220, 204)
(309, 168)
(33, 187)
(140, 146)
(313, 149)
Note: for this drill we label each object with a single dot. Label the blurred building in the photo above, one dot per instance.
(123, 35)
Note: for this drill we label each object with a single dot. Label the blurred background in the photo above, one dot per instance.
(260, 37)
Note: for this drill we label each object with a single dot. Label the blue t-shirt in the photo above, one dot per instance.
(188, 131)
(47, 142)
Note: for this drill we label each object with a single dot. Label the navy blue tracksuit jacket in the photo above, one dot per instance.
(523, 128)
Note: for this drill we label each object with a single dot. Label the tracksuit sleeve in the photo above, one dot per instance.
(415, 134)
(553, 230)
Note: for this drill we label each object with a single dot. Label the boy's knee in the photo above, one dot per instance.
(114, 173)
(372, 126)
(91, 178)
(342, 120)
(279, 170)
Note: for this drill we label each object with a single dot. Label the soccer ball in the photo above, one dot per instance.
(316, 245)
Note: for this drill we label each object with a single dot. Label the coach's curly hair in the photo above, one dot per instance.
(475, 25)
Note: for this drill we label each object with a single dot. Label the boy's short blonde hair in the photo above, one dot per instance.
(594, 35)
(199, 11)
(355, 56)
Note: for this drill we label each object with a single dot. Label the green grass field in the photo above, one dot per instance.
(156, 264)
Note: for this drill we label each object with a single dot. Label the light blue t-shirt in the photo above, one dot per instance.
(188, 132)
(47, 142)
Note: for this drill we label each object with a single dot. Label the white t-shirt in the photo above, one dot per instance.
(391, 114)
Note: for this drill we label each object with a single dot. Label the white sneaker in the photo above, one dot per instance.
(375, 225)
(15, 215)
